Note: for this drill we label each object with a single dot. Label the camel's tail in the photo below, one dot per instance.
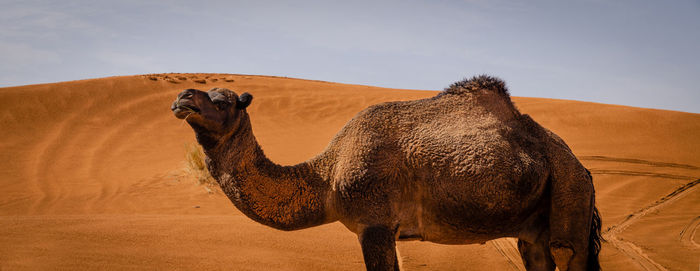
(594, 239)
(594, 236)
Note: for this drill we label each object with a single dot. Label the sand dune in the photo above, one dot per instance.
(93, 179)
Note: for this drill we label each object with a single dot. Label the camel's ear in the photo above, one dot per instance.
(244, 100)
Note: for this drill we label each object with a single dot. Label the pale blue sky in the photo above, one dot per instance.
(639, 53)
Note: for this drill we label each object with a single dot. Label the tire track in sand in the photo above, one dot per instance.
(633, 251)
(640, 174)
(636, 161)
(687, 235)
(508, 247)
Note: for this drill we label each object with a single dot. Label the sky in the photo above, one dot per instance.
(630, 52)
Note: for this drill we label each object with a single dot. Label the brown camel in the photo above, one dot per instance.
(462, 167)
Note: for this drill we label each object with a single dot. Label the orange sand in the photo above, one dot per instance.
(92, 178)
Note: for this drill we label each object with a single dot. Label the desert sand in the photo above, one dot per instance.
(94, 177)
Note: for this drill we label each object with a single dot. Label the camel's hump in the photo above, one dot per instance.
(480, 82)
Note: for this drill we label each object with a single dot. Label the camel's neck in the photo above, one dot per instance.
(282, 197)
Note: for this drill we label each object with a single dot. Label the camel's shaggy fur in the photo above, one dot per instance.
(479, 83)
(462, 167)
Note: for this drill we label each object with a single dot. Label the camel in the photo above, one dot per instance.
(462, 167)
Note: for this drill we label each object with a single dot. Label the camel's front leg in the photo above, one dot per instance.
(379, 248)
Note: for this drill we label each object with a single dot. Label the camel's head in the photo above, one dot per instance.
(215, 112)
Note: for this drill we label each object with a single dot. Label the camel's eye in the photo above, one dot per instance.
(220, 104)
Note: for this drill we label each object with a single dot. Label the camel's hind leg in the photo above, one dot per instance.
(565, 253)
(536, 256)
(379, 248)
(574, 222)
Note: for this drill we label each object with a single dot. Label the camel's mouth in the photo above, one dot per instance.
(183, 108)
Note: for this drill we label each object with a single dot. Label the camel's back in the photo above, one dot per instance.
(458, 135)
(460, 132)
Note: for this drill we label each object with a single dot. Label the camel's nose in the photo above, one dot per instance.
(185, 94)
